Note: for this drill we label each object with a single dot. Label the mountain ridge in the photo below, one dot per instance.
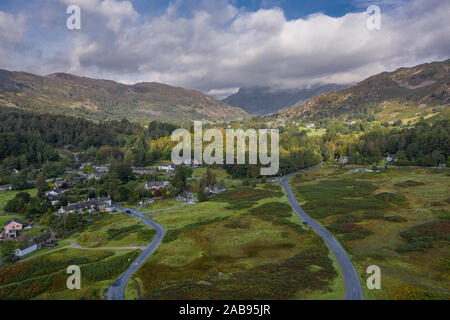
(99, 99)
(420, 88)
(266, 100)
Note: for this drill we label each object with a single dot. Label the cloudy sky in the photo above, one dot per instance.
(217, 46)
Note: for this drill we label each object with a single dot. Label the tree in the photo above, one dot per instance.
(40, 184)
(18, 203)
(202, 195)
(7, 249)
(122, 171)
(179, 181)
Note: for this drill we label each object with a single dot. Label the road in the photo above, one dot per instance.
(353, 289)
(116, 290)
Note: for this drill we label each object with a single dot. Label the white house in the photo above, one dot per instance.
(156, 185)
(6, 188)
(24, 252)
(167, 168)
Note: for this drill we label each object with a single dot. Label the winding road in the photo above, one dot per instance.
(116, 290)
(353, 289)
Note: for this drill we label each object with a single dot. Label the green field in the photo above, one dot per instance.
(44, 278)
(397, 219)
(242, 244)
(114, 230)
(160, 205)
(220, 173)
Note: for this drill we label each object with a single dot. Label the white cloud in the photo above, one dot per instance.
(223, 48)
(12, 28)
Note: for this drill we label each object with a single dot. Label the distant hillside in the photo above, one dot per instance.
(404, 94)
(265, 100)
(107, 100)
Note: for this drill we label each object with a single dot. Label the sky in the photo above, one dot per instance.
(218, 46)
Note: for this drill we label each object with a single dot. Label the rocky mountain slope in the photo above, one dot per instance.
(411, 91)
(94, 99)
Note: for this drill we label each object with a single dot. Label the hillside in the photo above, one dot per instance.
(405, 94)
(265, 100)
(94, 99)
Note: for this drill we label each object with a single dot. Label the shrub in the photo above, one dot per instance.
(422, 236)
(394, 198)
(373, 215)
(395, 219)
(409, 183)
(110, 268)
(266, 282)
(173, 234)
(146, 234)
(272, 210)
(238, 224)
(119, 233)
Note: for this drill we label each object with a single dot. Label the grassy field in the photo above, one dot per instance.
(220, 173)
(313, 132)
(397, 219)
(114, 230)
(242, 244)
(160, 205)
(45, 277)
(5, 196)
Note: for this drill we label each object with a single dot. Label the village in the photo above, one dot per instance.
(157, 184)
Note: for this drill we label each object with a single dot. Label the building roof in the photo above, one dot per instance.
(157, 184)
(41, 238)
(87, 204)
(28, 250)
(13, 220)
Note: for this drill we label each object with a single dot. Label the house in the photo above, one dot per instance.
(167, 168)
(215, 189)
(13, 225)
(94, 175)
(26, 251)
(90, 205)
(344, 160)
(144, 202)
(101, 168)
(44, 240)
(53, 199)
(11, 234)
(143, 171)
(152, 185)
(6, 187)
(61, 184)
(54, 196)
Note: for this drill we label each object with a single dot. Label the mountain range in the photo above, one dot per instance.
(62, 93)
(266, 100)
(405, 92)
